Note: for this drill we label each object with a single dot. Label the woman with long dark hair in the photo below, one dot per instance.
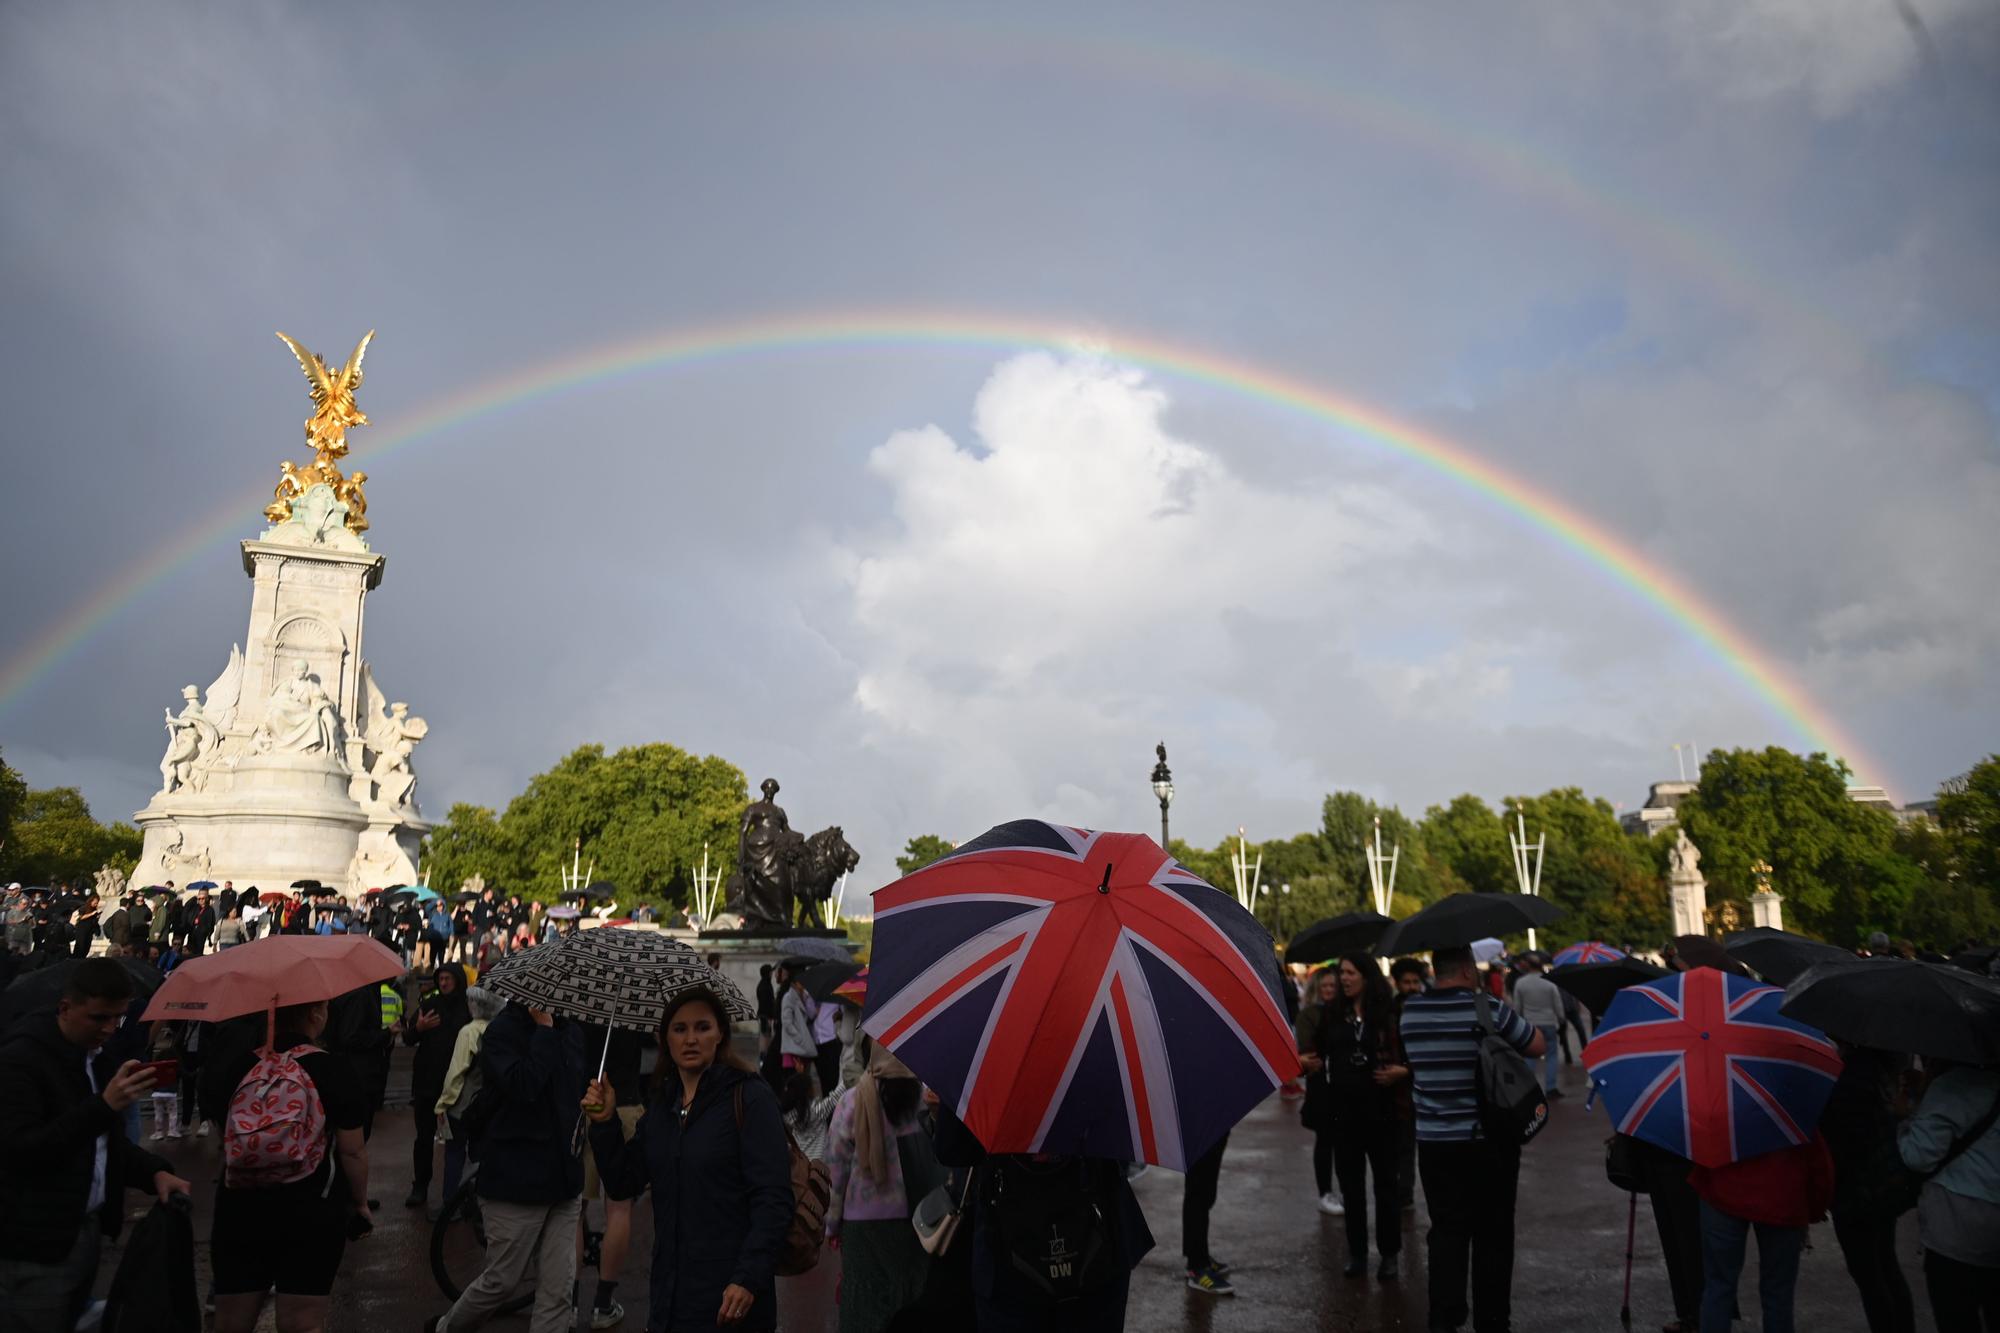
(1361, 1054)
(712, 1147)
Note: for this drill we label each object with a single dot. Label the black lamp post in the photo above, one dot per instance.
(1163, 787)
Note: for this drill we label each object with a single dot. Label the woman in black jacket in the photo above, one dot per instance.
(1358, 1050)
(712, 1147)
(433, 1030)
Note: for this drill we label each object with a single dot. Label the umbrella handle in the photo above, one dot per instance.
(1631, 1227)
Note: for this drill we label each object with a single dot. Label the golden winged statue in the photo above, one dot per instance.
(326, 431)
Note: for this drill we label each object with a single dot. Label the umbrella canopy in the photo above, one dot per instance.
(1779, 956)
(1589, 951)
(308, 884)
(1703, 1064)
(201, 884)
(1082, 993)
(822, 978)
(1348, 933)
(564, 913)
(37, 992)
(275, 971)
(1594, 984)
(1486, 950)
(465, 896)
(854, 990)
(273, 898)
(150, 888)
(819, 950)
(1456, 921)
(616, 977)
(1896, 1004)
(414, 893)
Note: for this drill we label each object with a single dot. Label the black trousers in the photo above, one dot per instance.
(1359, 1147)
(1964, 1299)
(1406, 1160)
(1868, 1244)
(1469, 1188)
(424, 1113)
(1677, 1218)
(1197, 1199)
(828, 1062)
(1323, 1159)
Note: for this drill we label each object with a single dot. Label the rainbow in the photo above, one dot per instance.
(1622, 563)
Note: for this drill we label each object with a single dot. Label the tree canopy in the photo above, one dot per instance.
(52, 838)
(920, 851)
(640, 817)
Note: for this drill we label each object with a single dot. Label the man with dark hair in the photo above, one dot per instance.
(1409, 976)
(62, 1116)
(200, 922)
(1469, 1179)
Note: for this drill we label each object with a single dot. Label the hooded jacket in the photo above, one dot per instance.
(539, 1074)
(50, 1121)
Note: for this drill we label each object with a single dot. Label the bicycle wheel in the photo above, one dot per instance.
(458, 1249)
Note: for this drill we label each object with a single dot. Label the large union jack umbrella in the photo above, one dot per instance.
(1082, 993)
(1703, 1064)
(1590, 951)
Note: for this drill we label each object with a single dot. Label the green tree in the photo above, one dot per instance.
(55, 839)
(1605, 880)
(1833, 861)
(920, 851)
(13, 795)
(1968, 811)
(640, 817)
(1470, 838)
(1347, 830)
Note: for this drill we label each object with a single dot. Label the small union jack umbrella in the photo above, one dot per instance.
(1082, 993)
(1590, 951)
(1703, 1064)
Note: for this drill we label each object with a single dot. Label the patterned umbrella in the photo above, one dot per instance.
(1703, 1064)
(619, 978)
(819, 949)
(1081, 993)
(854, 990)
(1590, 951)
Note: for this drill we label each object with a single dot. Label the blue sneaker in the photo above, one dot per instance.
(1209, 1282)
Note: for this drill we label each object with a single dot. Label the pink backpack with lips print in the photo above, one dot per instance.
(275, 1132)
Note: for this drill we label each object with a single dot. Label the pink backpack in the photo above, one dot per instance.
(276, 1129)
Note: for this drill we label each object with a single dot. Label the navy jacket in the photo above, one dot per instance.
(525, 1156)
(722, 1198)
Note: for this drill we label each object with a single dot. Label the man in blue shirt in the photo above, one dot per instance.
(1469, 1179)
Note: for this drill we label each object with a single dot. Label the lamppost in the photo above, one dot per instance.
(1278, 908)
(1163, 787)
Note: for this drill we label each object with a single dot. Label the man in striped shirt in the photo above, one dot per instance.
(1469, 1179)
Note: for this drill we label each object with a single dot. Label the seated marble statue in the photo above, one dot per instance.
(300, 716)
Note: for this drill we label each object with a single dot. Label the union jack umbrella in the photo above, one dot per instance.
(1703, 1064)
(1082, 993)
(1590, 951)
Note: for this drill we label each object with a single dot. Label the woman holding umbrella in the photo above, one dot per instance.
(433, 1030)
(1357, 1051)
(1316, 1113)
(712, 1148)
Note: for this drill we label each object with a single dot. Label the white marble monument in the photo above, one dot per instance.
(293, 764)
(1687, 891)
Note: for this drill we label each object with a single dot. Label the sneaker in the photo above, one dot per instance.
(1209, 1282)
(1219, 1266)
(1331, 1205)
(158, 1134)
(201, 1130)
(607, 1316)
(1390, 1269)
(174, 1133)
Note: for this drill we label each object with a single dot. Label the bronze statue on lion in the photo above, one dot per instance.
(777, 867)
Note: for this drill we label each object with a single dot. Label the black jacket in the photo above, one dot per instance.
(434, 1047)
(50, 1121)
(525, 1156)
(722, 1197)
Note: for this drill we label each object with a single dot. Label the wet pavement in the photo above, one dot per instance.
(1569, 1264)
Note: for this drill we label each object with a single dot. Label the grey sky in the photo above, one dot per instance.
(1719, 275)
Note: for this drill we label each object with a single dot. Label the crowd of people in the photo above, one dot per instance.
(1387, 1086)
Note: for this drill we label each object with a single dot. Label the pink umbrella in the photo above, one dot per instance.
(269, 974)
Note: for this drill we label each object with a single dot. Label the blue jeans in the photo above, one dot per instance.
(1552, 1057)
(1724, 1241)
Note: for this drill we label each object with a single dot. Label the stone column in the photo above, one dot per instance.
(1687, 890)
(1766, 907)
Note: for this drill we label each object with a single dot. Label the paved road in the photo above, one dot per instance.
(1287, 1255)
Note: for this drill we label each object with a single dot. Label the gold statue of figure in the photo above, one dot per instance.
(326, 431)
(332, 395)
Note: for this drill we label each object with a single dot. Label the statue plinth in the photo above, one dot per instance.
(1766, 909)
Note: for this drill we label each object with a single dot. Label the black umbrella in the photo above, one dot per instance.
(1350, 932)
(1896, 1004)
(1456, 921)
(465, 896)
(37, 992)
(1779, 956)
(1596, 983)
(575, 895)
(821, 978)
(307, 884)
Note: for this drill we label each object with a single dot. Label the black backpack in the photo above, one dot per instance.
(1512, 1107)
(1053, 1221)
(153, 1290)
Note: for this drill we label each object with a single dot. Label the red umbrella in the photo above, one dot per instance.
(272, 899)
(269, 974)
(854, 990)
(1079, 993)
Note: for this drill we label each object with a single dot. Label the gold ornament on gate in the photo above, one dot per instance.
(326, 434)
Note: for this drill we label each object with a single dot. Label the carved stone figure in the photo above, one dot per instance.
(109, 885)
(180, 863)
(190, 737)
(1683, 856)
(766, 850)
(825, 859)
(300, 717)
(1687, 891)
(393, 745)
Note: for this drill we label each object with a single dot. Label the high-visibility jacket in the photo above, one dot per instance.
(392, 1006)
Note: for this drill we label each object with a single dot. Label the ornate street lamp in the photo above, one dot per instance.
(1163, 787)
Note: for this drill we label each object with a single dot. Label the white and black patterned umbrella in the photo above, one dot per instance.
(613, 976)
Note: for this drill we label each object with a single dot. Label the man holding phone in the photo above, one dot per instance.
(62, 1115)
